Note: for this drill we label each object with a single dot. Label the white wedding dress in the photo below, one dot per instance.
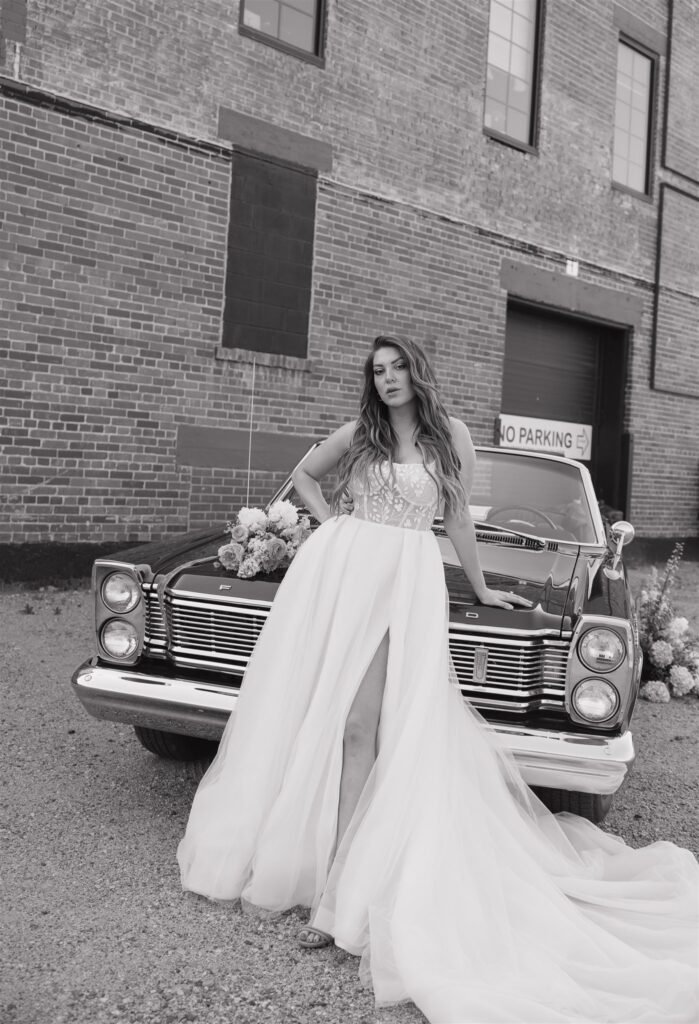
(459, 890)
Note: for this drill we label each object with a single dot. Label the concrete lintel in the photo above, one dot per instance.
(259, 136)
(561, 291)
(640, 31)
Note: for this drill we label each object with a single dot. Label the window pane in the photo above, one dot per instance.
(520, 62)
(500, 20)
(624, 88)
(625, 60)
(623, 115)
(517, 124)
(499, 53)
(621, 143)
(637, 151)
(639, 123)
(296, 29)
(641, 69)
(497, 83)
(526, 9)
(262, 15)
(519, 95)
(620, 173)
(495, 114)
(636, 178)
(523, 32)
(306, 6)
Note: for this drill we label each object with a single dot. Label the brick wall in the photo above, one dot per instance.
(400, 99)
(113, 247)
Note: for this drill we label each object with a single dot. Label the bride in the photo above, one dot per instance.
(354, 780)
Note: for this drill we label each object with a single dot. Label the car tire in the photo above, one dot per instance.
(175, 747)
(593, 806)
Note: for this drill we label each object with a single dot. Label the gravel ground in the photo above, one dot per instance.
(95, 926)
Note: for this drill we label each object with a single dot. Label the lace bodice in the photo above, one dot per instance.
(410, 499)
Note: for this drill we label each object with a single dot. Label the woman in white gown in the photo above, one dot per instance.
(352, 778)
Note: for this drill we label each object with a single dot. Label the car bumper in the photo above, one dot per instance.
(584, 763)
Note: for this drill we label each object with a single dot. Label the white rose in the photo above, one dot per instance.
(253, 519)
(283, 515)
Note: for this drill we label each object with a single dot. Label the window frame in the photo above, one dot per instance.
(508, 140)
(654, 59)
(318, 58)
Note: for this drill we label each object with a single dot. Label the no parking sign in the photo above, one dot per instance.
(573, 440)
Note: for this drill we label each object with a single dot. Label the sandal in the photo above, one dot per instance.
(313, 938)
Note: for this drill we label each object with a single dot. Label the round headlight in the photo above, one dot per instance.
(595, 699)
(601, 650)
(120, 592)
(119, 638)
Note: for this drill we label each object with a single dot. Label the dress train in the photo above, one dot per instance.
(457, 888)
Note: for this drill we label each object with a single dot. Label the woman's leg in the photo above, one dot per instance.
(358, 756)
(359, 742)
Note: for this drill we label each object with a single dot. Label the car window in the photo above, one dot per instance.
(532, 495)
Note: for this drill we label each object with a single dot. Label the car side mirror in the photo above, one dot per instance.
(622, 533)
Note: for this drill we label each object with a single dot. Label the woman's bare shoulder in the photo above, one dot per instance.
(342, 437)
(459, 430)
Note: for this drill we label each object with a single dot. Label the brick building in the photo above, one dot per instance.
(225, 193)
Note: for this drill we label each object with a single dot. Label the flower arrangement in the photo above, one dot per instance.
(262, 542)
(670, 648)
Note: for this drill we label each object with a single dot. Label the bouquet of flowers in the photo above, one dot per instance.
(670, 649)
(264, 541)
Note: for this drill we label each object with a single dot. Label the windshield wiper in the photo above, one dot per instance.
(494, 528)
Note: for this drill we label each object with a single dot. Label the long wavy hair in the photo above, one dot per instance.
(375, 440)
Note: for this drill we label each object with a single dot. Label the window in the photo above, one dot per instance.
(634, 87)
(270, 257)
(510, 92)
(291, 25)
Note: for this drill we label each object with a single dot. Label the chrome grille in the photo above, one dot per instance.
(213, 634)
(155, 627)
(522, 673)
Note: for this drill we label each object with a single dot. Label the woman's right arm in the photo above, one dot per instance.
(315, 466)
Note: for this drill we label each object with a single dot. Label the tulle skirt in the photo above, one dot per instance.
(454, 884)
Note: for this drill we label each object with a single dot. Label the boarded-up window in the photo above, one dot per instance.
(270, 256)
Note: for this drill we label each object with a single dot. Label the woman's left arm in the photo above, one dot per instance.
(461, 532)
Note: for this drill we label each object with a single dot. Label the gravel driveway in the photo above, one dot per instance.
(95, 926)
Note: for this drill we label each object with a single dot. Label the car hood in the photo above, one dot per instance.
(543, 577)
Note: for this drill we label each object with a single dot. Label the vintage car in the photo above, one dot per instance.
(556, 682)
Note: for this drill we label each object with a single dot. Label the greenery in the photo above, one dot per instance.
(670, 647)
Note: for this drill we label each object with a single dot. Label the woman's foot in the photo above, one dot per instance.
(314, 938)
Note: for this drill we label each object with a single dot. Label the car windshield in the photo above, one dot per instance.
(523, 493)
(531, 495)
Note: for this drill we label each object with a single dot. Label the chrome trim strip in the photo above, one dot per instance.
(555, 635)
(194, 597)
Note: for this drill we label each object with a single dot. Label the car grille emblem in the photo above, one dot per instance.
(480, 664)
(224, 586)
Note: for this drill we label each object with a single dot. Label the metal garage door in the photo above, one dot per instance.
(551, 367)
(562, 368)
